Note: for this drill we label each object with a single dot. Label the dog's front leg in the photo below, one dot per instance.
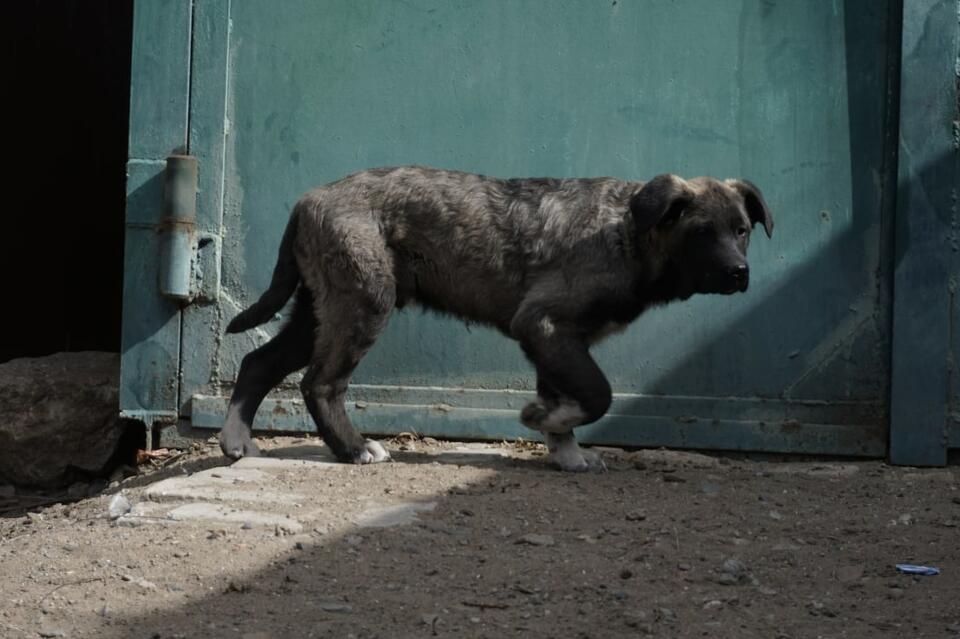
(571, 391)
(567, 455)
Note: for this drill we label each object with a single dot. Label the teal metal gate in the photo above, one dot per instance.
(801, 98)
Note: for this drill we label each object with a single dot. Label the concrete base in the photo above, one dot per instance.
(285, 495)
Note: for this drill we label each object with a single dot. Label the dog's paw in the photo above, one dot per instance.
(236, 445)
(373, 453)
(566, 455)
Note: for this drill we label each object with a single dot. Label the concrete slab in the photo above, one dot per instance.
(280, 464)
(393, 515)
(471, 454)
(203, 511)
(203, 487)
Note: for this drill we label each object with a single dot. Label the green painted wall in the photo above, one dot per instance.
(796, 96)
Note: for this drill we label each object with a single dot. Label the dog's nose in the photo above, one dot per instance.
(739, 272)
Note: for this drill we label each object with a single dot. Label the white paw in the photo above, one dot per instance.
(566, 455)
(373, 453)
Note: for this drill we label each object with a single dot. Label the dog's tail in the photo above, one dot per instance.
(286, 276)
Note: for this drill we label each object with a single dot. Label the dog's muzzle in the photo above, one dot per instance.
(728, 281)
(739, 277)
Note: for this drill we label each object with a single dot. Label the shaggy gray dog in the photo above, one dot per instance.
(556, 264)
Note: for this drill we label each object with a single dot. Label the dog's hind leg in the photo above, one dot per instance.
(261, 370)
(351, 315)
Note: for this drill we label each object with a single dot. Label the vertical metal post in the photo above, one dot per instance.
(178, 227)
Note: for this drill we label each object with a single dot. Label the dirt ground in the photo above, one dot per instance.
(665, 543)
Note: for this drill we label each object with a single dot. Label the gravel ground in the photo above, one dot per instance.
(665, 543)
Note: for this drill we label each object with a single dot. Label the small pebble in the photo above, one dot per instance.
(536, 540)
(119, 506)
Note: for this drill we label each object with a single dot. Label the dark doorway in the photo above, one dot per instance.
(63, 252)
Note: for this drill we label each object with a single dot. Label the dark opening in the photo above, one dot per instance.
(63, 253)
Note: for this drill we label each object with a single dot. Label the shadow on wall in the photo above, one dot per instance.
(822, 330)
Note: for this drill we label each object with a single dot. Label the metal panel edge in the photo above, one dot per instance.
(159, 93)
(925, 250)
(448, 421)
(202, 324)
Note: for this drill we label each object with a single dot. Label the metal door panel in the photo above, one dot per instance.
(792, 95)
(160, 81)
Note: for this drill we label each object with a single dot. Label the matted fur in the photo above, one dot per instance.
(553, 263)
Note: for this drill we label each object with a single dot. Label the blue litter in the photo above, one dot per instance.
(910, 569)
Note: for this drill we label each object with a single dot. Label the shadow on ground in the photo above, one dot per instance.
(672, 544)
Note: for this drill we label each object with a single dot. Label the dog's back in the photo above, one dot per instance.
(463, 243)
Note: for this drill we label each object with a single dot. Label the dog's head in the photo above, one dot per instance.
(701, 228)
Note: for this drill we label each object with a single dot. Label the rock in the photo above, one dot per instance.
(634, 618)
(51, 633)
(734, 572)
(97, 486)
(635, 515)
(536, 540)
(666, 614)
(56, 413)
(143, 583)
(848, 574)
(122, 472)
(713, 604)
(335, 606)
(818, 609)
(734, 567)
(119, 506)
(78, 490)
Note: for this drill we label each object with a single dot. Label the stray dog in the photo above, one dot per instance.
(556, 264)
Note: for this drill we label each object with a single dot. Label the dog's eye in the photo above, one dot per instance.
(742, 231)
(703, 231)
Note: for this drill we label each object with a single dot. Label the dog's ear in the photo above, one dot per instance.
(661, 200)
(757, 209)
